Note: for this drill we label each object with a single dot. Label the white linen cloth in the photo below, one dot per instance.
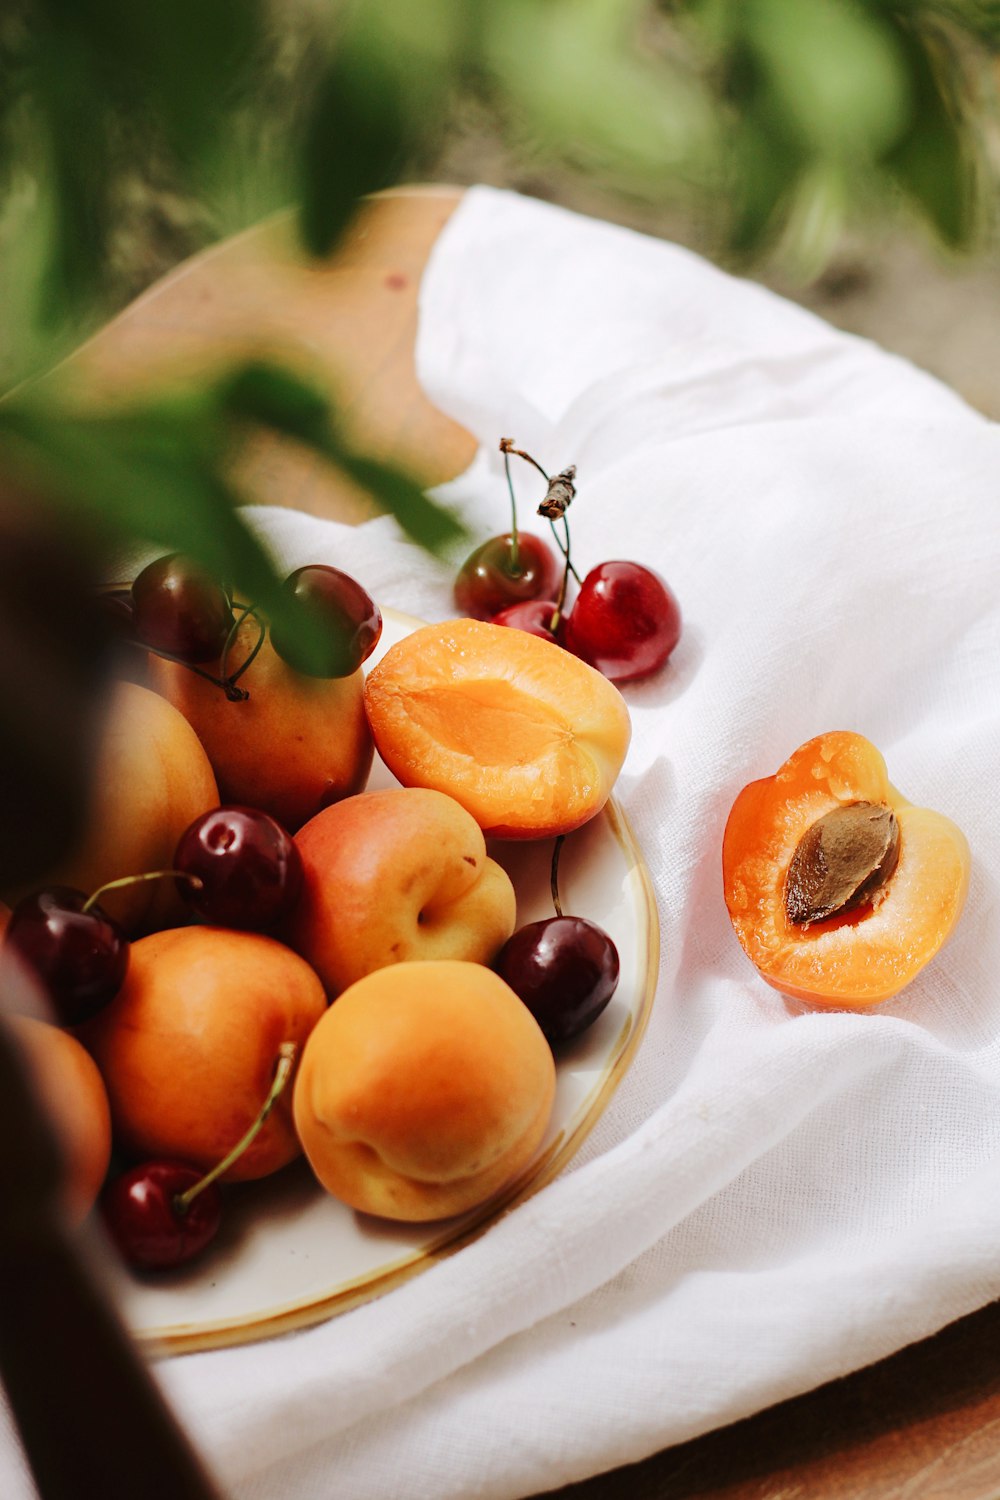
(774, 1197)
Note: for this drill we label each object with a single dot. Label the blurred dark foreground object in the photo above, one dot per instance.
(53, 669)
(90, 1417)
(91, 1420)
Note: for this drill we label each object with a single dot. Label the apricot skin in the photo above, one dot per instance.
(859, 959)
(189, 1046)
(528, 738)
(425, 1089)
(395, 875)
(72, 1092)
(296, 744)
(152, 779)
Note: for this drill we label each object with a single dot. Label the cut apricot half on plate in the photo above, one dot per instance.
(839, 890)
(528, 738)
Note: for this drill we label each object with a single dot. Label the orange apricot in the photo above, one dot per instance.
(293, 746)
(839, 890)
(425, 1088)
(189, 1046)
(528, 738)
(71, 1091)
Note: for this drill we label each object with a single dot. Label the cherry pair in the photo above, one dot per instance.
(625, 621)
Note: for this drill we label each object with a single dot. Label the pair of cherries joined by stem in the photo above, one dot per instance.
(177, 610)
(625, 621)
(234, 866)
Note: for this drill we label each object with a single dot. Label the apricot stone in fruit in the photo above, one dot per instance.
(839, 890)
(152, 779)
(71, 1091)
(295, 745)
(424, 1090)
(189, 1046)
(395, 875)
(528, 738)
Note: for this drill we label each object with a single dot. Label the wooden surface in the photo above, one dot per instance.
(923, 1424)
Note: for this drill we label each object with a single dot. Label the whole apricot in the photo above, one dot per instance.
(424, 1090)
(152, 779)
(395, 875)
(72, 1092)
(294, 745)
(189, 1046)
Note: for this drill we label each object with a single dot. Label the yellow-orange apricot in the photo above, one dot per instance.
(295, 745)
(71, 1090)
(425, 1088)
(857, 956)
(152, 779)
(528, 738)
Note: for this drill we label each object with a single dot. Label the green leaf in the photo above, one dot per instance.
(582, 85)
(834, 72)
(424, 521)
(156, 476)
(935, 163)
(289, 405)
(354, 143)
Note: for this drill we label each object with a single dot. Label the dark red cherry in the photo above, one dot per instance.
(142, 1216)
(565, 969)
(492, 578)
(625, 621)
(350, 619)
(535, 616)
(79, 956)
(250, 869)
(178, 609)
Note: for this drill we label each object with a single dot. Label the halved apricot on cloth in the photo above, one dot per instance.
(528, 738)
(839, 890)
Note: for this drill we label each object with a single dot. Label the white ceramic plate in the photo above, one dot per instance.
(289, 1255)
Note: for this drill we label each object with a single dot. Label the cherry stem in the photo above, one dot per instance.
(515, 550)
(286, 1058)
(507, 446)
(124, 881)
(229, 680)
(554, 874)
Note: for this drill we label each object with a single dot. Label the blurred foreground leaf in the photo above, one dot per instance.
(159, 473)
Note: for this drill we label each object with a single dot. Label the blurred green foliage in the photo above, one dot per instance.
(780, 120)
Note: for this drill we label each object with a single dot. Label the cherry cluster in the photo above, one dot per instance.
(235, 867)
(625, 621)
(177, 610)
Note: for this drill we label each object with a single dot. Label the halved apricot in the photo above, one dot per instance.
(528, 738)
(839, 890)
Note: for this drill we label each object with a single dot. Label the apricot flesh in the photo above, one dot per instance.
(528, 738)
(425, 1089)
(858, 958)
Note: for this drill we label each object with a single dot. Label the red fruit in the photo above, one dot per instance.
(179, 609)
(625, 621)
(346, 612)
(142, 1217)
(79, 956)
(489, 580)
(535, 616)
(247, 869)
